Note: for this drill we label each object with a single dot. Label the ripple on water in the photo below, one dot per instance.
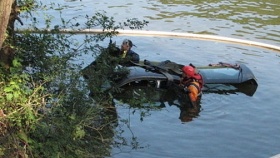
(229, 125)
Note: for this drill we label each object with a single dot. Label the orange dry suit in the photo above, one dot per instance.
(193, 87)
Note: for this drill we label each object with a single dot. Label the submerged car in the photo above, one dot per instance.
(218, 78)
(159, 81)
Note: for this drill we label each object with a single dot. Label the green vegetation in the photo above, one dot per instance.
(45, 109)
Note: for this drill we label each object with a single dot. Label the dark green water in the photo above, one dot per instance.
(232, 125)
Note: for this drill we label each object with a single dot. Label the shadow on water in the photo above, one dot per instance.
(225, 89)
(144, 95)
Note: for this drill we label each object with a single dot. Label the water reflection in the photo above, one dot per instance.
(145, 95)
(149, 98)
(188, 111)
(187, 114)
(247, 123)
(250, 18)
(243, 12)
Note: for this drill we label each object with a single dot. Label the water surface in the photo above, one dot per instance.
(232, 125)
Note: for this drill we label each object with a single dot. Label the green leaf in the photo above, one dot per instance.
(16, 94)
(79, 132)
(23, 136)
(16, 63)
(9, 97)
(8, 89)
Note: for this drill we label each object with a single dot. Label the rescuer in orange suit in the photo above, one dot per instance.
(192, 83)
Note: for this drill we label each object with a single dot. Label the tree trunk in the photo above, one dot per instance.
(7, 19)
(5, 11)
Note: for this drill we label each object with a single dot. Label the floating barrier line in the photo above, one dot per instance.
(174, 34)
